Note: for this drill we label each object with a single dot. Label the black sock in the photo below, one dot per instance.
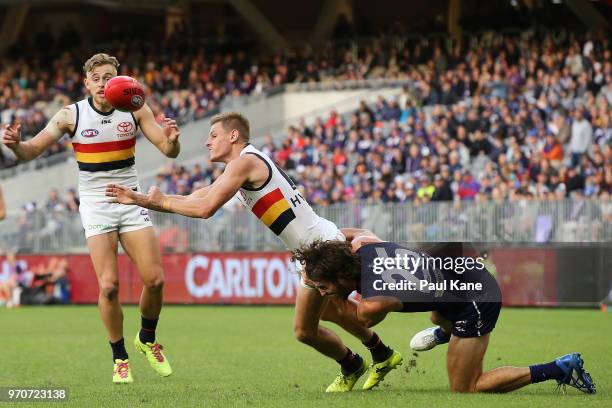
(378, 349)
(147, 330)
(441, 336)
(543, 372)
(350, 363)
(119, 351)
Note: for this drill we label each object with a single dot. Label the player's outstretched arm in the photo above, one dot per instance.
(196, 194)
(60, 124)
(164, 137)
(200, 204)
(372, 311)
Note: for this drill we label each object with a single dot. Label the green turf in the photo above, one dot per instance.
(246, 356)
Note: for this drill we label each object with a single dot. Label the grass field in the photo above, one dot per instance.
(246, 356)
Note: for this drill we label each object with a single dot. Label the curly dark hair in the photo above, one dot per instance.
(329, 261)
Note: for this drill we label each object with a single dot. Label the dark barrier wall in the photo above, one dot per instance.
(584, 273)
(528, 276)
(566, 274)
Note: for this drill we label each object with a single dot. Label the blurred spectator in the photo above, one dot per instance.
(54, 203)
(582, 135)
(47, 284)
(2, 206)
(10, 276)
(72, 201)
(442, 189)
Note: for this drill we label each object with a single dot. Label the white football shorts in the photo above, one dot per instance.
(99, 216)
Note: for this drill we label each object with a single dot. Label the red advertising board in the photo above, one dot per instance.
(526, 277)
(232, 278)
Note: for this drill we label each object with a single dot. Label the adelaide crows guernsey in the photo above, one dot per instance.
(104, 145)
(279, 205)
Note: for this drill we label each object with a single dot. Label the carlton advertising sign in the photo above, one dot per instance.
(249, 277)
(236, 278)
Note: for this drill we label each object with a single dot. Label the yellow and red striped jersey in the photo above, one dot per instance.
(104, 145)
(279, 205)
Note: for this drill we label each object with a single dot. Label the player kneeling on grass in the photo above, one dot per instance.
(339, 268)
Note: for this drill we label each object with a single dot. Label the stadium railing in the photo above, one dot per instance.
(234, 229)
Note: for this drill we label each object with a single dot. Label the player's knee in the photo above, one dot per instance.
(154, 284)
(109, 289)
(304, 335)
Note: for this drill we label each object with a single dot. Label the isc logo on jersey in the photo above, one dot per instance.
(125, 129)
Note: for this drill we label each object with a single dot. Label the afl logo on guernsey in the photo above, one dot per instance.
(89, 133)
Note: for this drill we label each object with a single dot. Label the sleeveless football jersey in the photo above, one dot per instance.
(104, 144)
(280, 206)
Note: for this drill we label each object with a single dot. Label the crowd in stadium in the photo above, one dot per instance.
(512, 120)
(516, 116)
(551, 70)
(42, 283)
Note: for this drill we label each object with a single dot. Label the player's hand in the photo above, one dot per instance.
(155, 197)
(171, 130)
(11, 136)
(121, 194)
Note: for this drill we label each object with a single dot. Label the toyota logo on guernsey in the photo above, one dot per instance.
(124, 127)
(89, 133)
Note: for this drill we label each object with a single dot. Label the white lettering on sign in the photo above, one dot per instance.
(241, 277)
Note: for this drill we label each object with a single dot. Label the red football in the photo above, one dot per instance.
(124, 93)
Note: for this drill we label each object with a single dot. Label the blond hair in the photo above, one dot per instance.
(231, 121)
(98, 60)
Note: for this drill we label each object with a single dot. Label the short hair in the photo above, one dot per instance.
(231, 121)
(98, 60)
(328, 261)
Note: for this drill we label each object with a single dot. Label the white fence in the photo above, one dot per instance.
(235, 229)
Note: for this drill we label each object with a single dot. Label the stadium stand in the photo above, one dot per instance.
(190, 86)
(508, 118)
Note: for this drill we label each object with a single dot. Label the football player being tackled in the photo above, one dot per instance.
(339, 268)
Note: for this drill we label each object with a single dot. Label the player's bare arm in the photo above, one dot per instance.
(202, 203)
(373, 310)
(362, 238)
(196, 194)
(351, 233)
(164, 137)
(61, 123)
(130, 197)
